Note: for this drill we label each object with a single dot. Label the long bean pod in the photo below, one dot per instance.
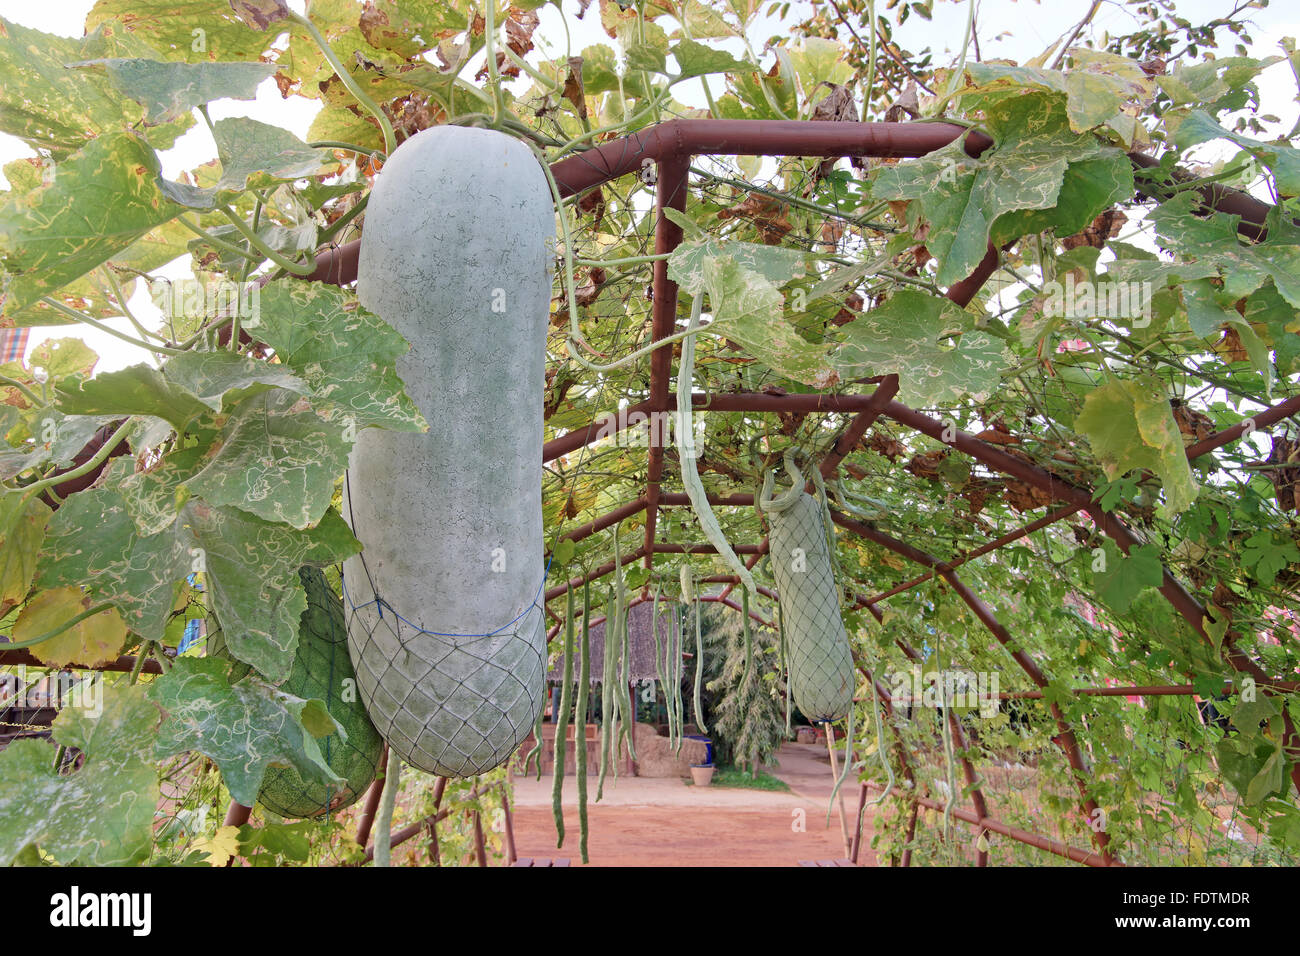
(580, 718)
(606, 698)
(699, 671)
(562, 724)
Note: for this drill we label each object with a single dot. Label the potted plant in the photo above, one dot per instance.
(702, 774)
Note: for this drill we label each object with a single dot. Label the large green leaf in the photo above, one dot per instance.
(908, 335)
(1212, 80)
(1101, 89)
(99, 815)
(170, 90)
(1124, 577)
(697, 59)
(346, 354)
(55, 109)
(961, 198)
(275, 459)
(249, 566)
(244, 728)
(187, 386)
(253, 155)
(101, 200)
(741, 280)
(1211, 240)
(1130, 426)
(1194, 127)
(775, 264)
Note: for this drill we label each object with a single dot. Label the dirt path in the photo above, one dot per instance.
(662, 822)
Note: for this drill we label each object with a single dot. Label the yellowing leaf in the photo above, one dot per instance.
(22, 529)
(221, 846)
(95, 640)
(1130, 426)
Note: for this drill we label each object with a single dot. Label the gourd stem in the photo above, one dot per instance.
(90, 465)
(390, 138)
(494, 75)
(384, 825)
(305, 268)
(96, 324)
(126, 311)
(626, 261)
(27, 392)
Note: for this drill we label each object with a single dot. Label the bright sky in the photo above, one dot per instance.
(1007, 29)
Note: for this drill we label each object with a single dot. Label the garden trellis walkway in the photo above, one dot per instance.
(670, 147)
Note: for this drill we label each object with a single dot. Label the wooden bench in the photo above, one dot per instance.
(541, 861)
(827, 863)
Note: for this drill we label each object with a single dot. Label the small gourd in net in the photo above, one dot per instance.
(821, 661)
(321, 669)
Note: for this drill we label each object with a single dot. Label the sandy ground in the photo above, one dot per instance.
(644, 821)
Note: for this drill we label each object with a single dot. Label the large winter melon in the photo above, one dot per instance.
(446, 622)
(322, 669)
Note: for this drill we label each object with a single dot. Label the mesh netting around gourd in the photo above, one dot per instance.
(455, 706)
(321, 669)
(820, 660)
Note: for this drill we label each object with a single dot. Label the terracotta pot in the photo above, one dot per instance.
(702, 776)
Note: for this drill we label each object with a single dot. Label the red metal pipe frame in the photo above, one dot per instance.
(993, 545)
(124, 664)
(670, 193)
(1171, 588)
(1088, 857)
(1065, 736)
(605, 520)
(671, 144)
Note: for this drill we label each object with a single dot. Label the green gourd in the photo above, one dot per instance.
(321, 669)
(820, 659)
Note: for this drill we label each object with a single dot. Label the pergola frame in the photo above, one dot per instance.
(670, 146)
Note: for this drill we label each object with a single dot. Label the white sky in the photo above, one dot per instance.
(1007, 29)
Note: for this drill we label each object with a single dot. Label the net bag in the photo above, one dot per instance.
(452, 705)
(321, 669)
(820, 660)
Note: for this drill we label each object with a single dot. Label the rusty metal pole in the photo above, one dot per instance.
(371, 806)
(1065, 737)
(670, 193)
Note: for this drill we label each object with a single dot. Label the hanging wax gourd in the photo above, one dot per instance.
(447, 628)
(820, 660)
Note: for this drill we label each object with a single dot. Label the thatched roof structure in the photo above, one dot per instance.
(640, 638)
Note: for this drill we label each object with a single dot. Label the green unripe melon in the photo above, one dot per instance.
(322, 669)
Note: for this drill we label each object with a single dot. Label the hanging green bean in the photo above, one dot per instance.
(580, 719)
(699, 671)
(562, 723)
(606, 698)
